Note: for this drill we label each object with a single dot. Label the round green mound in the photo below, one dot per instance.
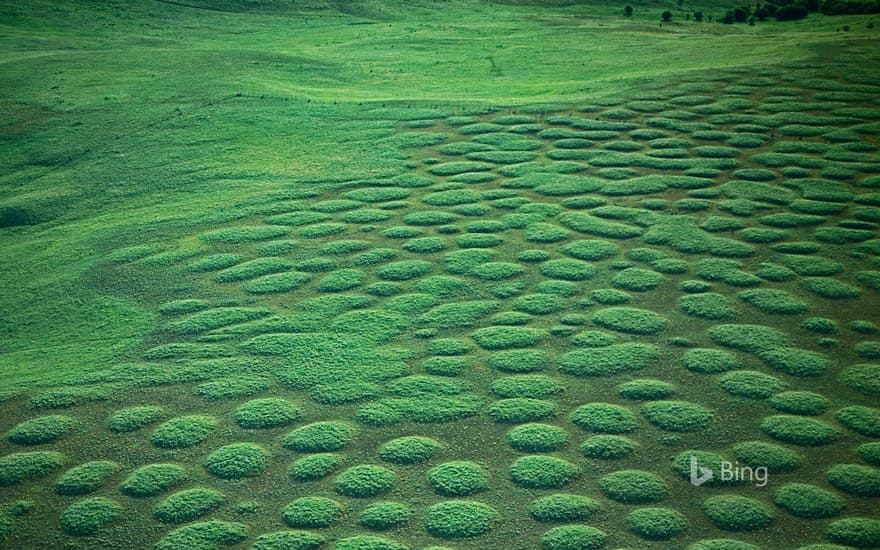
(750, 383)
(645, 389)
(18, 467)
(604, 418)
(770, 300)
(368, 542)
(710, 361)
(410, 449)
(518, 360)
(457, 519)
(312, 512)
(860, 419)
(634, 487)
(591, 250)
(677, 416)
(133, 418)
(870, 452)
(188, 505)
(537, 438)
(855, 479)
(656, 523)
(796, 362)
(799, 430)
(39, 430)
(87, 517)
(459, 478)
(856, 532)
(808, 501)
(521, 409)
(562, 507)
(573, 537)
(568, 269)
(804, 403)
(543, 472)
(269, 412)
(85, 478)
(749, 338)
(737, 513)
(637, 279)
(382, 516)
(365, 480)
(539, 304)
(526, 385)
(631, 320)
(609, 360)
(608, 447)
(864, 377)
(238, 460)
(776, 458)
(314, 467)
(722, 544)
(153, 479)
(320, 437)
(183, 431)
(205, 534)
(289, 540)
(501, 337)
(707, 305)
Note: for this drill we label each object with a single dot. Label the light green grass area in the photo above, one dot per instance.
(398, 275)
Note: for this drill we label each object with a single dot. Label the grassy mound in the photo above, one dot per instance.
(573, 537)
(185, 506)
(238, 460)
(18, 467)
(383, 516)
(608, 447)
(153, 479)
(496, 338)
(776, 458)
(545, 233)
(410, 449)
(521, 409)
(364, 481)
(497, 271)
(458, 519)
(864, 377)
(646, 389)
(519, 360)
(855, 479)
(459, 478)
(804, 403)
(750, 383)
(830, 288)
(253, 269)
(631, 320)
(737, 513)
(526, 385)
(856, 532)
(637, 279)
(85, 478)
(232, 387)
(604, 418)
(656, 523)
(210, 535)
(860, 419)
(537, 438)
(243, 234)
(568, 269)
(774, 301)
(870, 453)
(39, 430)
(183, 431)
(710, 361)
(404, 270)
(87, 517)
(539, 304)
(609, 296)
(590, 250)
(634, 487)
(368, 542)
(727, 544)
(289, 540)
(276, 282)
(314, 467)
(799, 430)
(796, 362)
(269, 412)
(677, 416)
(543, 472)
(562, 507)
(707, 305)
(312, 512)
(320, 437)
(609, 360)
(750, 338)
(808, 501)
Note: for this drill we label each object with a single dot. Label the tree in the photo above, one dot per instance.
(791, 12)
(667, 16)
(741, 14)
(762, 14)
(628, 11)
(728, 18)
(698, 16)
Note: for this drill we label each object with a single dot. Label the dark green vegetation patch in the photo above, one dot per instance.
(18, 467)
(458, 478)
(634, 487)
(737, 513)
(543, 472)
(563, 507)
(153, 479)
(238, 460)
(677, 416)
(39, 430)
(312, 512)
(808, 501)
(183, 431)
(363, 481)
(457, 519)
(87, 517)
(656, 523)
(85, 478)
(570, 537)
(188, 505)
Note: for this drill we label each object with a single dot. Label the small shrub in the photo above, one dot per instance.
(312, 512)
(185, 506)
(856, 532)
(634, 487)
(800, 402)
(320, 437)
(314, 467)
(520, 409)
(631, 320)
(85, 478)
(153, 479)
(363, 481)
(776, 458)
(183, 431)
(860, 419)
(855, 479)
(737, 513)
(459, 478)
(537, 438)
(562, 507)
(819, 325)
(710, 361)
(656, 523)
(573, 537)
(608, 447)
(382, 516)
(87, 517)
(269, 412)
(457, 519)
(238, 460)
(751, 384)
(799, 430)
(808, 501)
(18, 467)
(39, 430)
(543, 472)
(677, 416)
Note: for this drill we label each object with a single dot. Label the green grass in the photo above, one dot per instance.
(364, 481)
(458, 519)
(543, 472)
(737, 513)
(24, 466)
(238, 460)
(185, 506)
(604, 418)
(312, 512)
(183, 431)
(38, 430)
(656, 523)
(205, 534)
(153, 479)
(85, 478)
(88, 516)
(634, 487)
(458, 478)
(326, 436)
